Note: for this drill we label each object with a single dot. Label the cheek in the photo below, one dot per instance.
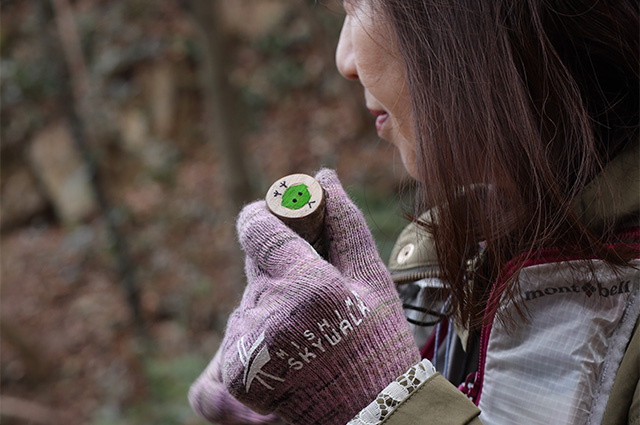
(405, 115)
(374, 62)
(408, 155)
(370, 66)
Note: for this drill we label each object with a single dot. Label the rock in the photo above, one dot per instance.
(134, 130)
(163, 99)
(21, 199)
(147, 133)
(62, 173)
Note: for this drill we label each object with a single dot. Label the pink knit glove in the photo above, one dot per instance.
(210, 399)
(314, 341)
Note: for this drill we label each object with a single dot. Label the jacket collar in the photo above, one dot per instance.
(613, 197)
(610, 199)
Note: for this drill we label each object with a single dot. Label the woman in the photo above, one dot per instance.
(519, 120)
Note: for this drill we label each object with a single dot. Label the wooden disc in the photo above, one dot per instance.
(298, 200)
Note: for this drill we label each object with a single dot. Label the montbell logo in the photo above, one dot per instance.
(588, 289)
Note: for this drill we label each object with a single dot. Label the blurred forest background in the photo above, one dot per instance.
(132, 131)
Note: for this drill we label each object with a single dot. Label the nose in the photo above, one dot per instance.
(345, 60)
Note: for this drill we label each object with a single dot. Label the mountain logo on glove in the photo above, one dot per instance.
(253, 364)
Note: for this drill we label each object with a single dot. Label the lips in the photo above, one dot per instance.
(381, 118)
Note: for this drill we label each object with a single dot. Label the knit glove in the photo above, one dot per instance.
(210, 399)
(313, 340)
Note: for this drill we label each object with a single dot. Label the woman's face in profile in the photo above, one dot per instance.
(366, 53)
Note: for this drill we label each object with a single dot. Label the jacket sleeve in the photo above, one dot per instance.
(624, 401)
(419, 396)
(436, 402)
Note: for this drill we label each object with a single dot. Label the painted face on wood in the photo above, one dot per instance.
(296, 197)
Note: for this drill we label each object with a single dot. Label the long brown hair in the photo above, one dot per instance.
(521, 103)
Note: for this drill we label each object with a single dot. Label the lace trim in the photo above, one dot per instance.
(394, 394)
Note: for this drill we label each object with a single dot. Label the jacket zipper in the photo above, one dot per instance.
(414, 275)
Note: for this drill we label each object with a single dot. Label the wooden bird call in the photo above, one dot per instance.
(298, 200)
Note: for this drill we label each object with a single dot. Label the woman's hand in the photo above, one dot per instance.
(211, 400)
(314, 341)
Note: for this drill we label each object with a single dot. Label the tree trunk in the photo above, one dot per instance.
(220, 103)
(80, 109)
